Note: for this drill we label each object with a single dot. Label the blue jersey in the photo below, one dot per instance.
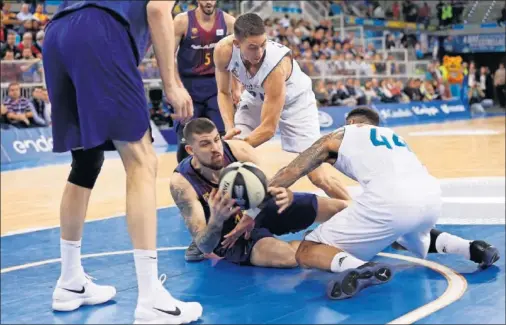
(203, 186)
(131, 13)
(195, 55)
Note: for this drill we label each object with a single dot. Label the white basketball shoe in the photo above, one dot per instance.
(80, 291)
(162, 308)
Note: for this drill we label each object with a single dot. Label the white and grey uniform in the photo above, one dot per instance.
(299, 125)
(400, 201)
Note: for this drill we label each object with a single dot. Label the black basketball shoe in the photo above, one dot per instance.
(193, 253)
(483, 253)
(348, 283)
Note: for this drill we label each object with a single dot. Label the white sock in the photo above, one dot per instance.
(450, 244)
(146, 267)
(70, 260)
(344, 261)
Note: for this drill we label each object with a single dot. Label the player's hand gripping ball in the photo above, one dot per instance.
(245, 183)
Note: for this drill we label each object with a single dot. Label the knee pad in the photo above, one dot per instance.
(86, 166)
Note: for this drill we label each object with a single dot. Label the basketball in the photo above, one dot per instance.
(245, 183)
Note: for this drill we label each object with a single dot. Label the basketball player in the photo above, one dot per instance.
(209, 217)
(197, 32)
(277, 92)
(401, 202)
(91, 55)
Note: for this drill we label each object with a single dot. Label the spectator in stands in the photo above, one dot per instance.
(27, 42)
(33, 70)
(396, 10)
(500, 85)
(413, 91)
(3, 30)
(370, 94)
(351, 90)
(10, 19)
(24, 13)
(390, 42)
(11, 45)
(476, 98)
(502, 19)
(341, 97)
(39, 40)
(20, 111)
(10, 71)
(486, 83)
(39, 103)
(40, 15)
(424, 14)
(3, 114)
(321, 92)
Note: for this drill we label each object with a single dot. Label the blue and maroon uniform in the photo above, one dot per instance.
(299, 216)
(196, 67)
(91, 53)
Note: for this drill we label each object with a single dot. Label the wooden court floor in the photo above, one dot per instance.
(30, 198)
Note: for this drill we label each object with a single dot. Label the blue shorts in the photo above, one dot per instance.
(299, 216)
(96, 92)
(203, 92)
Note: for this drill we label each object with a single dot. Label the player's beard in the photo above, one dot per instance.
(215, 164)
(208, 12)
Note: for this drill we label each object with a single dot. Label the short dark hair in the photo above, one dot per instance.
(247, 25)
(365, 112)
(199, 125)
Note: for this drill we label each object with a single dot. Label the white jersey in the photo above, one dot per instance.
(297, 84)
(370, 153)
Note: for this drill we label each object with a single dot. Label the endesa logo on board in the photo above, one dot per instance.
(40, 144)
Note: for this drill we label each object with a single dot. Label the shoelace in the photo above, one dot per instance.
(162, 278)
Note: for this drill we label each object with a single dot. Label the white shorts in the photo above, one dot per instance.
(364, 230)
(299, 123)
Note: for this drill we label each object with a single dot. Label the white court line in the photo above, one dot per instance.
(55, 260)
(457, 284)
(475, 200)
(443, 181)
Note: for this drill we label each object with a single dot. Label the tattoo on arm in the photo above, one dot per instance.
(209, 238)
(307, 161)
(206, 237)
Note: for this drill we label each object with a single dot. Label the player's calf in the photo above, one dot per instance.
(477, 251)
(328, 181)
(352, 274)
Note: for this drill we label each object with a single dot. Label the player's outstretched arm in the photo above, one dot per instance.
(275, 91)
(323, 150)
(162, 34)
(222, 55)
(161, 26)
(206, 236)
(180, 27)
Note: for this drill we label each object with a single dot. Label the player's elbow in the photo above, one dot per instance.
(158, 9)
(269, 132)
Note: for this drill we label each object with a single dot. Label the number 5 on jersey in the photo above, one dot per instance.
(383, 141)
(207, 58)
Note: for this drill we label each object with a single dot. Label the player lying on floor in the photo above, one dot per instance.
(401, 202)
(209, 216)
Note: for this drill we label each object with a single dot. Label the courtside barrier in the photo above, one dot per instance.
(332, 117)
(36, 144)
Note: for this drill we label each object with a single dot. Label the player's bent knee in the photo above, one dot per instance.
(86, 166)
(272, 252)
(139, 156)
(302, 254)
